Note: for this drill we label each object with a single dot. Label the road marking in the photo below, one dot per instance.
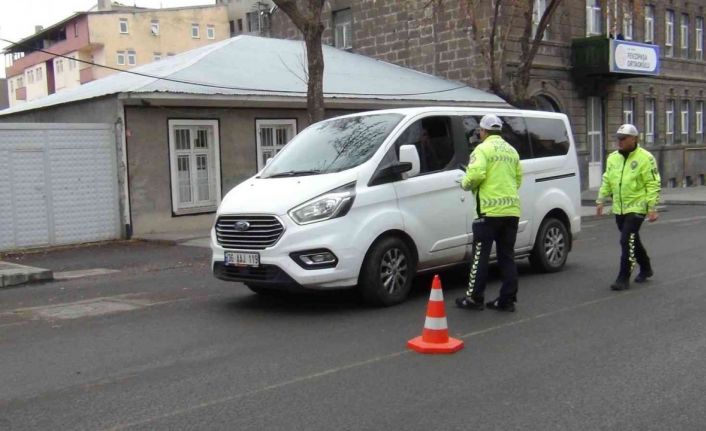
(394, 355)
(70, 275)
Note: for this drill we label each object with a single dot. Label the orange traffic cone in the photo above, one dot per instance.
(435, 336)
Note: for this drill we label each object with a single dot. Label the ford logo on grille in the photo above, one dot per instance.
(241, 226)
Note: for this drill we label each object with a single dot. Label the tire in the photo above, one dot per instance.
(551, 247)
(387, 273)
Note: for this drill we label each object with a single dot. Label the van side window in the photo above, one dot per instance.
(434, 142)
(515, 133)
(471, 130)
(548, 136)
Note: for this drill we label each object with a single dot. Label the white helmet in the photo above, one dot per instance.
(627, 130)
(491, 122)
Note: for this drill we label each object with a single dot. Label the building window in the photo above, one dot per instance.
(156, 56)
(59, 65)
(210, 32)
(154, 27)
(20, 82)
(272, 135)
(131, 57)
(75, 30)
(123, 26)
(195, 165)
(669, 33)
(593, 17)
(684, 121)
(628, 9)
(650, 121)
(699, 122)
(699, 38)
(342, 22)
(72, 63)
(39, 74)
(670, 121)
(240, 25)
(253, 19)
(649, 24)
(684, 35)
(30, 77)
(121, 58)
(629, 110)
(540, 6)
(170, 54)
(195, 31)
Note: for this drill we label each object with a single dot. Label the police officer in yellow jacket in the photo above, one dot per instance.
(494, 176)
(632, 181)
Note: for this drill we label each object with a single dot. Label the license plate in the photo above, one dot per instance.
(242, 259)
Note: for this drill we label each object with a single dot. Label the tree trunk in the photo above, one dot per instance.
(315, 83)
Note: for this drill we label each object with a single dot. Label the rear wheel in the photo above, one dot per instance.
(387, 273)
(551, 246)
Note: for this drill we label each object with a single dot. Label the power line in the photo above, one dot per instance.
(223, 87)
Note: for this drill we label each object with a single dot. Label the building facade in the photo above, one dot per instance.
(248, 16)
(574, 71)
(118, 37)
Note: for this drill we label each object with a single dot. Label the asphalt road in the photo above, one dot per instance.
(161, 345)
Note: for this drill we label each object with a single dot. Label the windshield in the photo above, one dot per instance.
(332, 146)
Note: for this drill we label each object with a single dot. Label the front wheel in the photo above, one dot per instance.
(387, 273)
(551, 246)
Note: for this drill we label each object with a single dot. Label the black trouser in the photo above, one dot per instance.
(502, 231)
(631, 246)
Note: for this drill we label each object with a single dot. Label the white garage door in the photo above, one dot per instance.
(58, 184)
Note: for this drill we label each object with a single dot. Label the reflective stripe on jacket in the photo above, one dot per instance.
(494, 176)
(633, 183)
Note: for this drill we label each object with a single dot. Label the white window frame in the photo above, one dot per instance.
(684, 35)
(650, 120)
(210, 31)
(72, 63)
(629, 110)
(120, 58)
(214, 165)
(59, 65)
(684, 121)
(131, 57)
(669, 33)
(343, 31)
(670, 121)
(30, 76)
(649, 24)
(594, 18)
(699, 38)
(20, 82)
(699, 121)
(38, 74)
(123, 29)
(594, 129)
(197, 33)
(154, 27)
(628, 24)
(266, 153)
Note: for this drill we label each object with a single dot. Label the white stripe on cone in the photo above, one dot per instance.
(435, 323)
(436, 295)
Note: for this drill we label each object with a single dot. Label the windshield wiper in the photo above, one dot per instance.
(294, 173)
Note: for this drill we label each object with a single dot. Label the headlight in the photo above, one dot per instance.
(335, 203)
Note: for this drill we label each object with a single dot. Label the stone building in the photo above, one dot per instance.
(602, 62)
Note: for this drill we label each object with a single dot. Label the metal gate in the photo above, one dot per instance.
(58, 184)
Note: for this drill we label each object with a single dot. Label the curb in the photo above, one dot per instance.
(12, 274)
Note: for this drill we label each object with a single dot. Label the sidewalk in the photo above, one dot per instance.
(670, 196)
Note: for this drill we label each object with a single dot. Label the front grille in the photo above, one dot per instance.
(264, 275)
(263, 232)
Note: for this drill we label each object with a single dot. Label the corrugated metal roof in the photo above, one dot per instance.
(256, 66)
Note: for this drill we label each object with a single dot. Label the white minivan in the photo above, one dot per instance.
(373, 198)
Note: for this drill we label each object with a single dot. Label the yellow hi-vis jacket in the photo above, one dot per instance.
(633, 183)
(494, 176)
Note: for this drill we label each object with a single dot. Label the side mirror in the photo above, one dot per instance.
(409, 154)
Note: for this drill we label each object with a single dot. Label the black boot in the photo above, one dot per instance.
(620, 284)
(643, 275)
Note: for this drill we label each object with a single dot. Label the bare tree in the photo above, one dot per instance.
(492, 28)
(308, 20)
